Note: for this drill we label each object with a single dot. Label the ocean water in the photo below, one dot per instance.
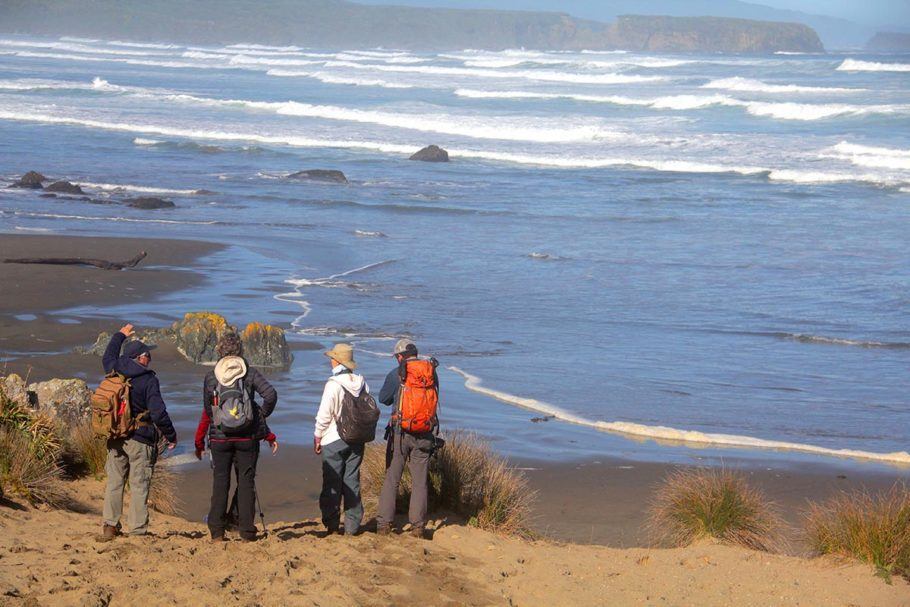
(677, 257)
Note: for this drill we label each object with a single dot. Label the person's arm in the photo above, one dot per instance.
(389, 389)
(158, 411)
(201, 430)
(264, 389)
(325, 414)
(112, 352)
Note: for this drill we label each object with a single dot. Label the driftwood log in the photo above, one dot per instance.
(80, 261)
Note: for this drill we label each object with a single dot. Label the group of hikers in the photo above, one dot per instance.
(129, 412)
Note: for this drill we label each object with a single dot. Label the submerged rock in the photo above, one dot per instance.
(31, 180)
(431, 153)
(327, 175)
(68, 400)
(197, 334)
(64, 187)
(149, 202)
(265, 345)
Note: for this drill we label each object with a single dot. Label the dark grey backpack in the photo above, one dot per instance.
(358, 418)
(232, 409)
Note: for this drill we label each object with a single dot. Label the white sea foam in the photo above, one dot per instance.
(540, 75)
(872, 156)
(118, 219)
(139, 44)
(333, 79)
(855, 65)
(663, 433)
(265, 47)
(270, 61)
(144, 141)
(368, 234)
(757, 86)
(139, 189)
(403, 59)
(151, 63)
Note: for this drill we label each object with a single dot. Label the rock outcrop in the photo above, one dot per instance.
(431, 153)
(30, 181)
(15, 389)
(68, 400)
(64, 187)
(326, 175)
(265, 345)
(197, 334)
(149, 203)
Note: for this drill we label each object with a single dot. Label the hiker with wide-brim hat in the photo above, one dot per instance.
(340, 459)
(237, 426)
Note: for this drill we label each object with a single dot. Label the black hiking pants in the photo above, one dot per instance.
(241, 455)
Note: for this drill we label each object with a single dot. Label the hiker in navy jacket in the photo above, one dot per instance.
(134, 457)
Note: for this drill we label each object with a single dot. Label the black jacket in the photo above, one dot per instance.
(256, 383)
(145, 393)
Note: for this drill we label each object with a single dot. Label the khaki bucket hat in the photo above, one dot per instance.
(343, 354)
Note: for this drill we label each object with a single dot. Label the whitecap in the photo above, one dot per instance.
(757, 86)
(855, 65)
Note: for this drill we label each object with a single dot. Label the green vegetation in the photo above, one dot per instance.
(699, 503)
(871, 527)
(466, 478)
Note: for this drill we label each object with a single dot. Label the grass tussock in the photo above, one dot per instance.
(871, 527)
(164, 496)
(85, 452)
(692, 504)
(467, 478)
(23, 472)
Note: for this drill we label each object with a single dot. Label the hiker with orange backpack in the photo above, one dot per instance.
(127, 410)
(345, 422)
(413, 389)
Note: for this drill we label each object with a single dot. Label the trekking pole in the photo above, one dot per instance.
(261, 514)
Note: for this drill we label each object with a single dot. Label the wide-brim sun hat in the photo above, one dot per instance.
(343, 354)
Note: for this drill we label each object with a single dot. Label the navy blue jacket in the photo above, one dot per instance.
(389, 391)
(145, 393)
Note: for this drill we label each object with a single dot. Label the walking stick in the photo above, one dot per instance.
(261, 514)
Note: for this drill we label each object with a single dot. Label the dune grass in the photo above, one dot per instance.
(85, 453)
(871, 527)
(23, 472)
(466, 478)
(692, 504)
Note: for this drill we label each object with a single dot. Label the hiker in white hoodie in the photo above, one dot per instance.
(340, 460)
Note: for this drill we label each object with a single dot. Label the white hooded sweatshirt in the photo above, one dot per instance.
(330, 406)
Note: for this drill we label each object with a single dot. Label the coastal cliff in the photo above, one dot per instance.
(889, 42)
(339, 24)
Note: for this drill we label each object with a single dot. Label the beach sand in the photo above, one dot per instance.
(53, 558)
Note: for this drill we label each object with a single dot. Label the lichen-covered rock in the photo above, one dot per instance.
(197, 334)
(15, 390)
(265, 345)
(96, 348)
(68, 400)
(152, 337)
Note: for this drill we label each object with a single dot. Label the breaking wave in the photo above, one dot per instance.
(757, 86)
(333, 79)
(663, 433)
(139, 189)
(855, 65)
(872, 156)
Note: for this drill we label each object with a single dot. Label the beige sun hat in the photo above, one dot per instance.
(343, 354)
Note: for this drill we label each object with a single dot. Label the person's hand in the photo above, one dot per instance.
(199, 453)
(274, 446)
(171, 446)
(127, 330)
(317, 445)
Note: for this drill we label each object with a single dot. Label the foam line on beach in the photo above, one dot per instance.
(108, 218)
(663, 433)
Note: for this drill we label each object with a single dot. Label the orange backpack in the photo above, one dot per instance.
(112, 416)
(419, 397)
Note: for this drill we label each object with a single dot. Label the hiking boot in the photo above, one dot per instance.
(332, 529)
(108, 533)
(417, 532)
(384, 529)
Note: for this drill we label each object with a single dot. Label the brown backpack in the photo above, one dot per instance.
(112, 416)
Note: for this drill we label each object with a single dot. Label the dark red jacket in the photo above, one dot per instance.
(202, 431)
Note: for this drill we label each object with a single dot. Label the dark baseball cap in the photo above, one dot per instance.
(135, 348)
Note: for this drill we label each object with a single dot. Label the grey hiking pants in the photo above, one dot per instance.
(341, 479)
(413, 449)
(128, 458)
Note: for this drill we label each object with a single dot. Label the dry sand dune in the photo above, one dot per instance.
(52, 558)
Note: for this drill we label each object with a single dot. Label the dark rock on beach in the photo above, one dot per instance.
(431, 153)
(30, 181)
(149, 202)
(48, 196)
(326, 175)
(65, 187)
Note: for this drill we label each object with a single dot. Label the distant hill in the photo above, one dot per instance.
(340, 24)
(889, 41)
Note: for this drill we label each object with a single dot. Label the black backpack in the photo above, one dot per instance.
(358, 418)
